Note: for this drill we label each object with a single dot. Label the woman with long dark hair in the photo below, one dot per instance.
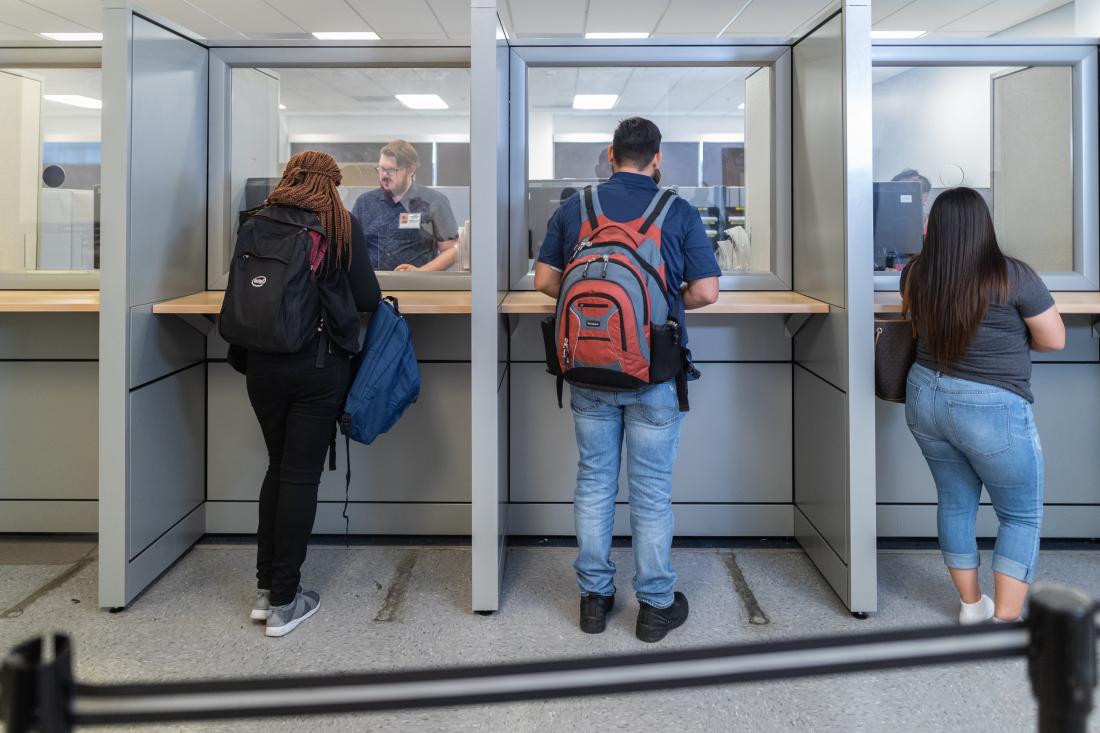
(298, 397)
(978, 314)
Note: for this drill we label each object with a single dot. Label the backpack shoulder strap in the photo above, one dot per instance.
(657, 209)
(590, 207)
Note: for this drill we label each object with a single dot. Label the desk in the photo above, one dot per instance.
(411, 302)
(1068, 303)
(49, 301)
(729, 302)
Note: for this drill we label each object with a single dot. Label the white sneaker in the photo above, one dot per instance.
(976, 613)
(284, 619)
(261, 609)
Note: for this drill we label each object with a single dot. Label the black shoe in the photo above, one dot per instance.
(594, 610)
(655, 623)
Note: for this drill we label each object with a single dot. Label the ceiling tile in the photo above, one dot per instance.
(777, 19)
(454, 16)
(88, 13)
(881, 9)
(698, 17)
(542, 19)
(251, 17)
(193, 19)
(610, 16)
(36, 20)
(320, 15)
(928, 15)
(404, 19)
(998, 16)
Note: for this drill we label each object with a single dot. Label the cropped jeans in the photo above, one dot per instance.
(650, 421)
(973, 434)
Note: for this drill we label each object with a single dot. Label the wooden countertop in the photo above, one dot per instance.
(411, 302)
(1069, 303)
(729, 302)
(49, 301)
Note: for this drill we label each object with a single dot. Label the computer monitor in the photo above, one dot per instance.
(898, 221)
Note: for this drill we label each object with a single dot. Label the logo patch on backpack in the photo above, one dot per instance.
(260, 281)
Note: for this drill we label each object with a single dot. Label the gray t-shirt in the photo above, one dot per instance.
(1000, 353)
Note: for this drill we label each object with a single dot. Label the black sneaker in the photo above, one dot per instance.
(594, 610)
(655, 623)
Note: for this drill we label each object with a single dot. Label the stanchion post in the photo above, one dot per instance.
(1062, 657)
(19, 687)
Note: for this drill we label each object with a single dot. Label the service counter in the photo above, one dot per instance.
(1066, 386)
(413, 480)
(49, 372)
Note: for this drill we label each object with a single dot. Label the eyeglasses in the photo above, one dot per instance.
(388, 171)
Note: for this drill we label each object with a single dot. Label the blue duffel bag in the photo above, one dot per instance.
(387, 378)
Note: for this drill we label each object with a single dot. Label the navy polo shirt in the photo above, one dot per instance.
(391, 245)
(685, 247)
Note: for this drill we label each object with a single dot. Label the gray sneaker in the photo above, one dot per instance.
(284, 619)
(261, 609)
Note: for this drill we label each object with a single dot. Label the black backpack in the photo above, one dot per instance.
(272, 303)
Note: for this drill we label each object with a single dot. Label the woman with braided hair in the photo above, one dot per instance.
(298, 397)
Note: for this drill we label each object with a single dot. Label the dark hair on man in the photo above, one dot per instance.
(636, 142)
(957, 274)
(909, 174)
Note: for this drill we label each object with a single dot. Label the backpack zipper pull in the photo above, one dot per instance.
(606, 259)
(584, 275)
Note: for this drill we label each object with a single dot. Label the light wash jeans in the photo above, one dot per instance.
(973, 434)
(650, 418)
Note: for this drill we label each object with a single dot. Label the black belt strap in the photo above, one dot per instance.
(561, 390)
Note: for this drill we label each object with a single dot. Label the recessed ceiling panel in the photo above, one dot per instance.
(776, 19)
(36, 20)
(613, 16)
(320, 15)
(997, 16)
(536, 19)
(87, 13)
(400, 19)
(251, 17)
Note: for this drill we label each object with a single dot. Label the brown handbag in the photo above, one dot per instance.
(895, 352)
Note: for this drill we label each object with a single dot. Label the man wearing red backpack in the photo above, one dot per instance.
(625, 260)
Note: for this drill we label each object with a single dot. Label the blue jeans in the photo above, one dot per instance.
(973, 434)
(650, 419)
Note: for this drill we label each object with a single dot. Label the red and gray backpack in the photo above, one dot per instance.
(612, 328)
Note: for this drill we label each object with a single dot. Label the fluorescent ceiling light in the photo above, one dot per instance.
(73, 36)
(741, 106)
(897, 35)
(282, 106)
(422, 101)
(346, 36)
(595, 101)
(74, 100)
(614, 36)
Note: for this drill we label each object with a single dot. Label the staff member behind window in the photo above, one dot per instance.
(406, 226)
(978, 315)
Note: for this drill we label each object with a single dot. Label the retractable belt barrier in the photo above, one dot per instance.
(1058, 639)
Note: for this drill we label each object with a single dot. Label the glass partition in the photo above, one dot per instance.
(50, 155)
(1015, 132)
(724, 117)
(402, 139)
(702, 113)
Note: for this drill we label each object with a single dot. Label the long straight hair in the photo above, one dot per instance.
(959, 272)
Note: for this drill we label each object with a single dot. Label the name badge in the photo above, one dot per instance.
(409, 221)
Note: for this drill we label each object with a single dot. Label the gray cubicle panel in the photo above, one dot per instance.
(49, 437)
(733, 472)
(834, 505)
(489, 384)
(415, 479)
(153, 373)
(1066, 386)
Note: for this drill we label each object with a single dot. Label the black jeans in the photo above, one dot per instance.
(297, 404)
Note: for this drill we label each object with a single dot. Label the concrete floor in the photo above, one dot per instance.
(399, 607)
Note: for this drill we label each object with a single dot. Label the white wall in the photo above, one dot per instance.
(71, 128)
(926, 118)
(21, 162)
(758, 167)
(417, 128)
